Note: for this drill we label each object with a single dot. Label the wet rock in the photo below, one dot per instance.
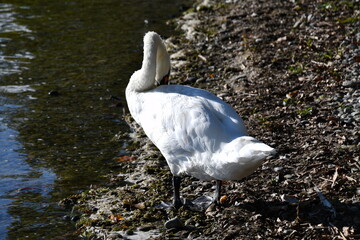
(352, 83)
(278, 169)
(146, 228)
(211, 211)
(200, 80)
(191, 79)
(129, 232)
(114, 236)
(75, 218)
(174, 223)
(54, 93)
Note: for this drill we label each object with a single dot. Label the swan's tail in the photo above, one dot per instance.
(243, 156)
(254, 150)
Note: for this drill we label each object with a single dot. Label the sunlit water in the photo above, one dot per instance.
(54, 145)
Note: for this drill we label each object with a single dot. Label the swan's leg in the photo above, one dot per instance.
(176, 183)
(217, 192)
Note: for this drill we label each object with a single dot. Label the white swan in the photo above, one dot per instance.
(197, 133)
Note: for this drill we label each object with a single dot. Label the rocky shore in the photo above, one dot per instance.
(291, 69)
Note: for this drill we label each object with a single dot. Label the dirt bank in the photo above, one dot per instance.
(292, 71)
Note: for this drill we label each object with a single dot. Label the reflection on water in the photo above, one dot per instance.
(54, 145)
(16, 175)
(12, 63)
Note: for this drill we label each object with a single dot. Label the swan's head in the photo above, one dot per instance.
(162, 64)
(155, 67)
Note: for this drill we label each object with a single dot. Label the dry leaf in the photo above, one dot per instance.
(292, 94)
(357, 58)
(116, 218)
(126, 158)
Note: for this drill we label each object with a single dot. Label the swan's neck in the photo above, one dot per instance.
(155, 65)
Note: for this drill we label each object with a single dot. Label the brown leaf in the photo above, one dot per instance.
(126, 158)
(357, 58)
(292, 94)
(116, 217)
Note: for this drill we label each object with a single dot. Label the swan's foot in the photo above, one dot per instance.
(201, 203)
(198, 204)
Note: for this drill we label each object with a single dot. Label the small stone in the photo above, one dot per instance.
(75, 218)
(114, 236)
(189, 222)
(146, 228)
(54, 93)
(191, 79)
(289, 176)
(200, 80)
(210, 211)
(129, 232)
(174, 223)
(278, 169)
(223, 199)
(348, 83)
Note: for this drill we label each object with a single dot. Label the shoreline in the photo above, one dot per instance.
(291, 71)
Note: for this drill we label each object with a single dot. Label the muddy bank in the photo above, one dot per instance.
(291, 70)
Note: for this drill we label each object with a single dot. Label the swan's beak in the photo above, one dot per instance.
(165, 80)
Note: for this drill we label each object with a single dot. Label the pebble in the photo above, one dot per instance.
(289, 176)
(174, 223)
(349, 83)
(75, 218)
(129, 232)
(200, 80)
(278, 169)
(146, 228)
(114, 236)
(54, 93)
(191, 79)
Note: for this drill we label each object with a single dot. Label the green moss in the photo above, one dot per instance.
(330, 5)
(309, 42)
(290, 101)
(327, 55)
(85, 221)
(348, 20)
(305, 112)
(296, 68)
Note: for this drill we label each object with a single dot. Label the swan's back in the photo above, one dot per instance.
(194, 119)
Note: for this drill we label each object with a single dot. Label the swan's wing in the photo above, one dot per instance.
(183, 121)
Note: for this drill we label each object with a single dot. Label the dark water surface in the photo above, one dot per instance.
(55, 145)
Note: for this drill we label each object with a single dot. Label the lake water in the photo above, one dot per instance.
(60, 61)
